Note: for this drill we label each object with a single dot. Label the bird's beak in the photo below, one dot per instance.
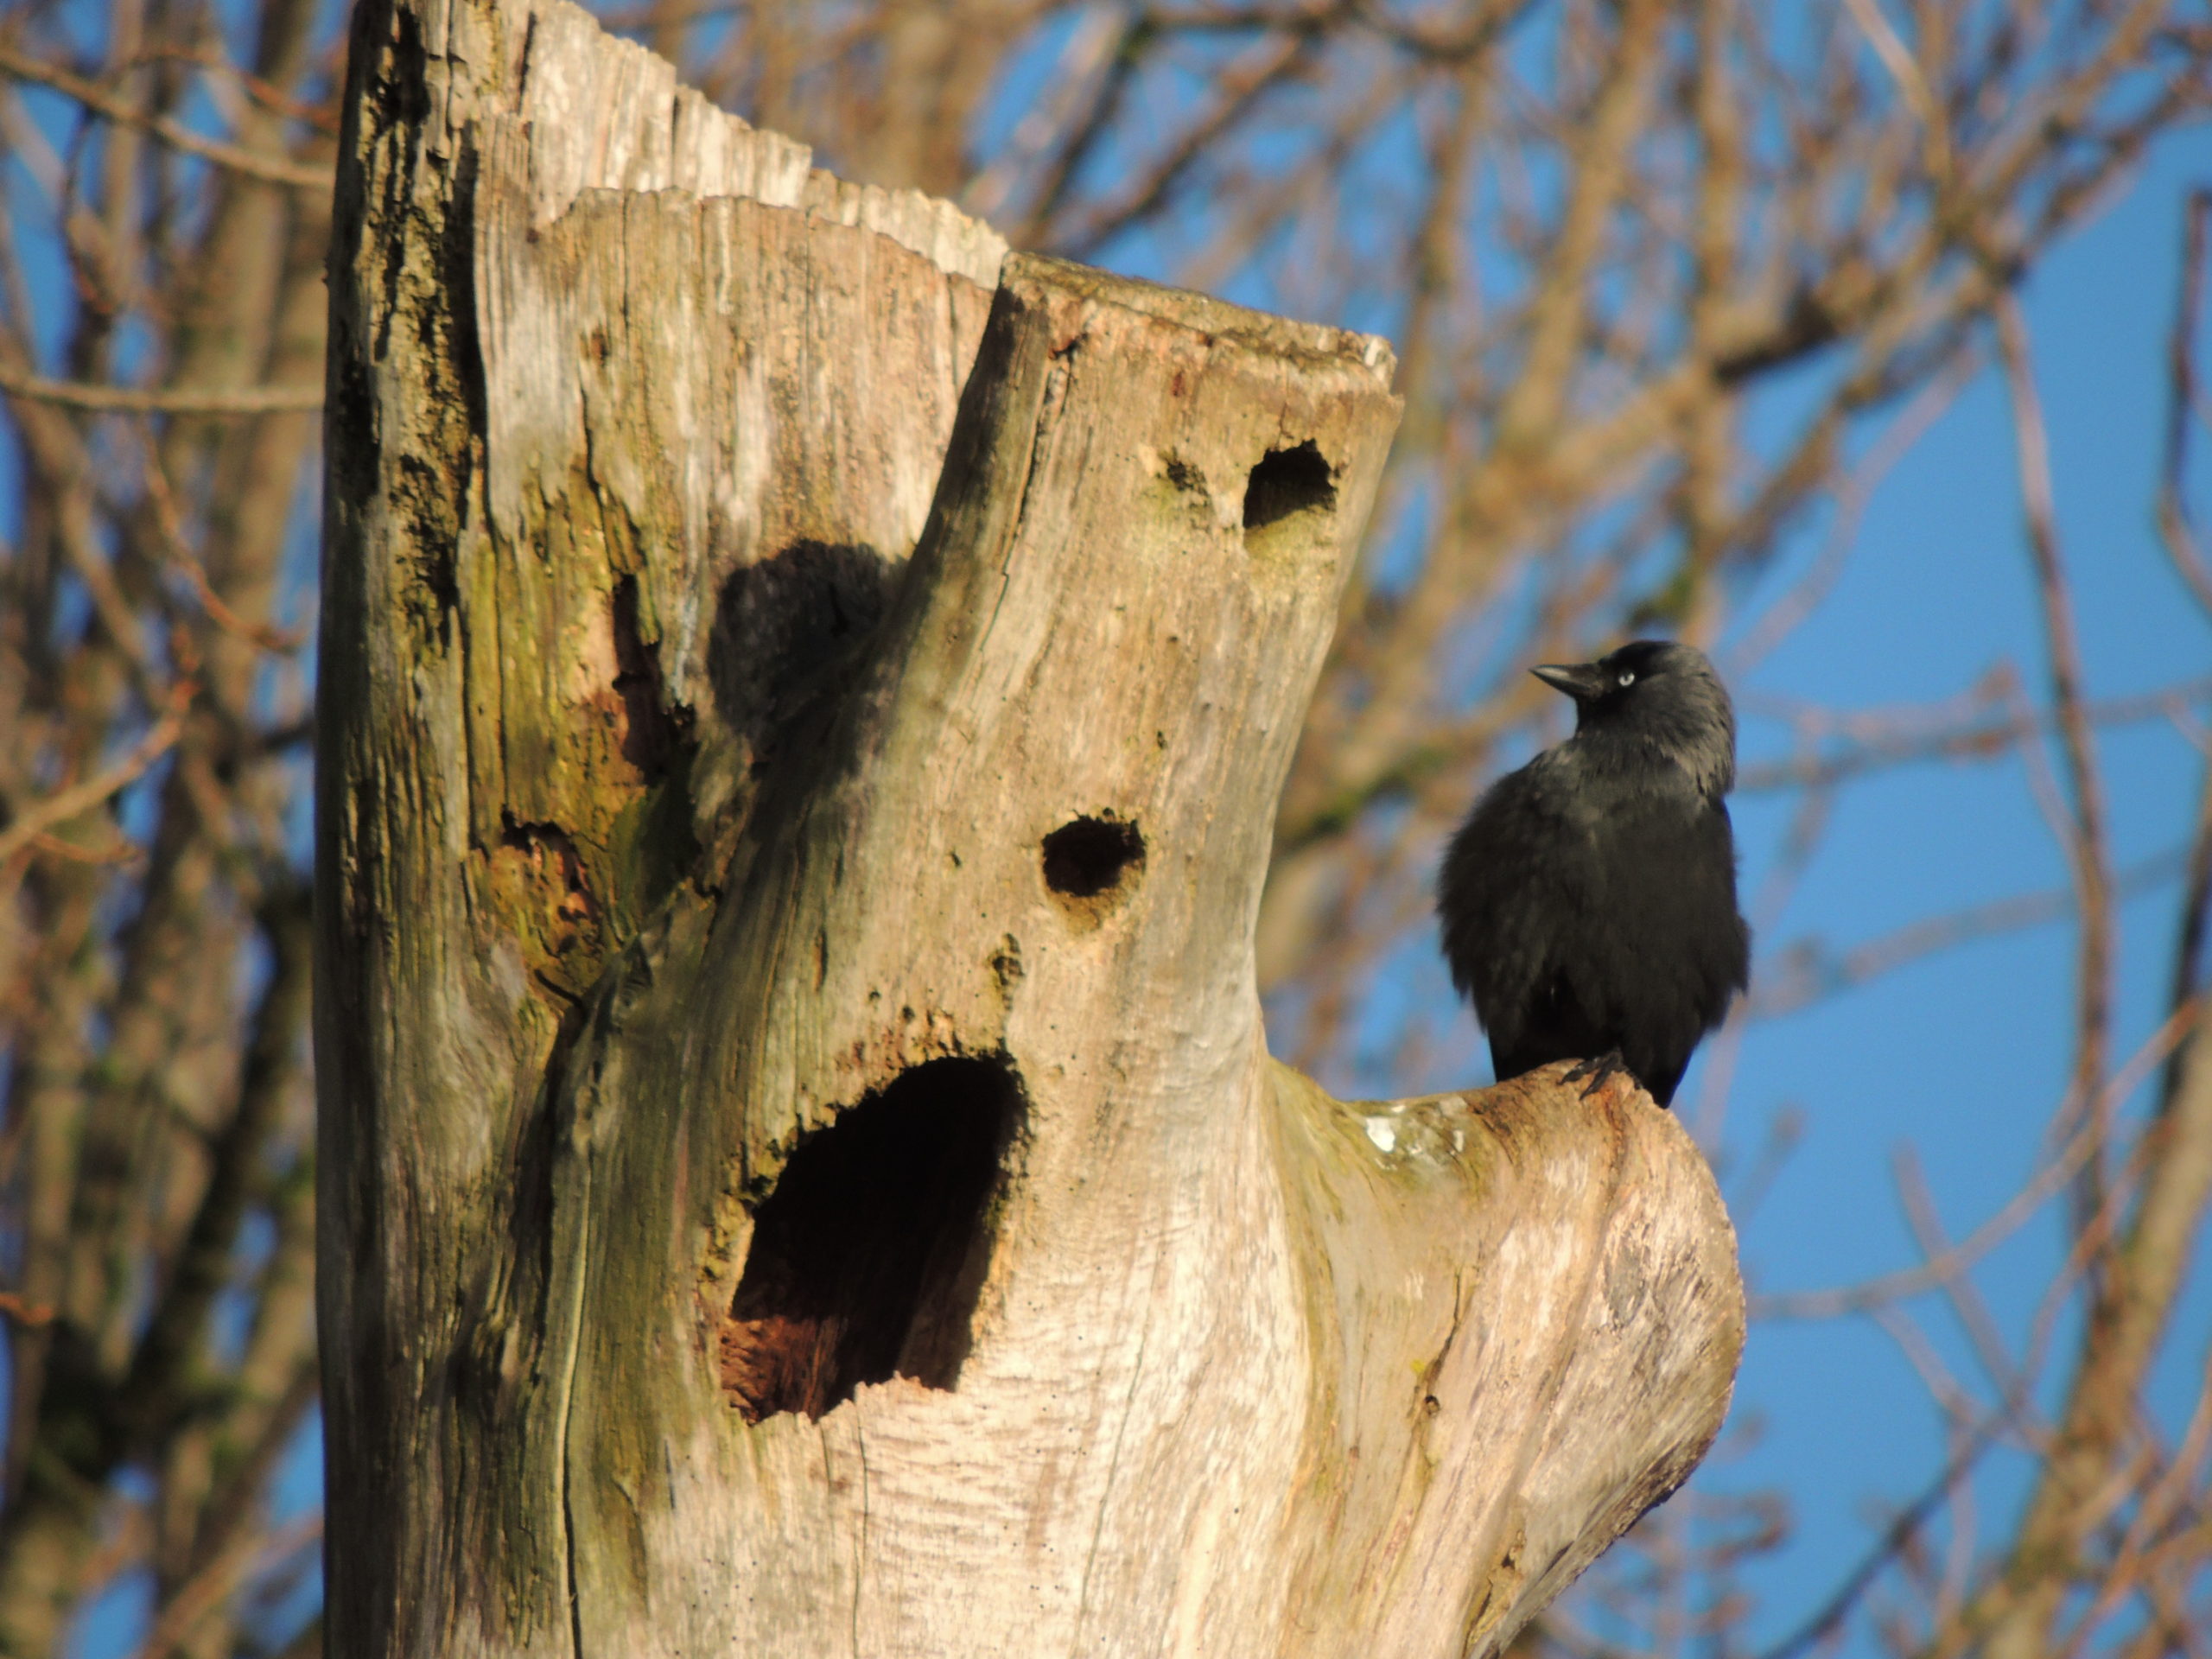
(1581, 680)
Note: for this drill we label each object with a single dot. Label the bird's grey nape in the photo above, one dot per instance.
(1703, 722)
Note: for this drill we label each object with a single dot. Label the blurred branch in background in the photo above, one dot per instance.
(1674, 285)
(162, 258)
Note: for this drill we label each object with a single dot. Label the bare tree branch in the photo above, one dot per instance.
(162, 400)
(39, 817)
(271, 170)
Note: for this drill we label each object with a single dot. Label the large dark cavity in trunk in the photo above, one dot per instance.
(867, 1255)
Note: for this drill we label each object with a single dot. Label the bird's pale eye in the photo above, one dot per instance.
(1628, 676)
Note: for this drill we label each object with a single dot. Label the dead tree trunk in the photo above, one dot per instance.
(802, 705)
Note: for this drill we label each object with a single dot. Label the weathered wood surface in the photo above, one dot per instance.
(803, 706)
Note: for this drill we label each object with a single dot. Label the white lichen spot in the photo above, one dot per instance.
(1383, 1133)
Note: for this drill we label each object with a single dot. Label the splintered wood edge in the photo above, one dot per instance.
(1260, 331)
(607, 113)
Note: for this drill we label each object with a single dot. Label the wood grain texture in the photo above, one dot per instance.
(804, 696)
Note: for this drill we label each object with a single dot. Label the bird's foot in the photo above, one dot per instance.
(1598, 1072)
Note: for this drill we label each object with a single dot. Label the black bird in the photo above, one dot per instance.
(1589, 902)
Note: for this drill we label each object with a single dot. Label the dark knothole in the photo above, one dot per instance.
(868, 1254)
(1090, 859)
(1288, 481)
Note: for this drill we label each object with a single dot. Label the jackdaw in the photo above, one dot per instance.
(1589, 901)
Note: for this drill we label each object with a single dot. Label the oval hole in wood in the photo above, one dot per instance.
(1088, 861)
(868, 1254)
(1287, 482)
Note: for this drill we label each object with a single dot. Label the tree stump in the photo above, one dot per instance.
(803, 699)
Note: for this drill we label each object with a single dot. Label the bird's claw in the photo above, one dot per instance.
(1599, 1071)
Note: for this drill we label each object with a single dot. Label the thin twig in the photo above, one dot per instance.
(223, 1577)
(300, 175)
(64, 805)
(180, 559)
(1960, 1292)
(162, 400)
(2159, 1503)
(1884, 741)
(2088, 844)
(2174, 526)
(1852, 496)
(1802, 973)
(1827, 1620)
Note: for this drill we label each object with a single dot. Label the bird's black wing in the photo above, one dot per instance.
(1666, 949)
(1519, 883)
